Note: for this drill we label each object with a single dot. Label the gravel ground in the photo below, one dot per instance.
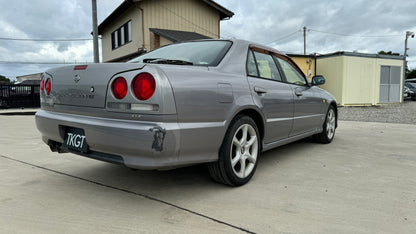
(404, 113)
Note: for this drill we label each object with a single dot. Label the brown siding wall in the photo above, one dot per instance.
(133, 14)
(182, 15)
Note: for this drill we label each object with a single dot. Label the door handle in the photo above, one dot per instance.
(259, 90)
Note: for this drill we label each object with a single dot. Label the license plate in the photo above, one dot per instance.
(75, 140)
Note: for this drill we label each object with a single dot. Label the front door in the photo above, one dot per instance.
(308, 105)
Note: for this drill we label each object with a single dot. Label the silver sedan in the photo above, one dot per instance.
(218, 102)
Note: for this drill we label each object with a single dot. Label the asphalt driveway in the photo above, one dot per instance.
(364, 182)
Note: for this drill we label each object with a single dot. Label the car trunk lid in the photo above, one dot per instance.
(85, 85)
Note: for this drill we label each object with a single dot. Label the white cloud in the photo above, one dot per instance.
(47, 19)
(269, 20)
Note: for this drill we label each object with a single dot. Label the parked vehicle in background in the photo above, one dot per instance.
(411, 90)
(19, 95)
(406, 93)
(219, 102)
(3, 98)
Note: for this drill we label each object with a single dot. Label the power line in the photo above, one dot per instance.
(347, 35)
(46, 40)
(284, 37)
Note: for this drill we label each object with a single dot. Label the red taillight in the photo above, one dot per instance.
(119, 87)
(48, 86)
(144, 86)
(42, 84)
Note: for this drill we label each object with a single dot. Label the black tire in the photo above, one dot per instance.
(244, 153)
(328, 128)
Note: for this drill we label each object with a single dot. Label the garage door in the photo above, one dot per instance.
(390, 84)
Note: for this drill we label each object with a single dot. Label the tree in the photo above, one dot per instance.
(411, 74)
(4, 80)
(388, 53)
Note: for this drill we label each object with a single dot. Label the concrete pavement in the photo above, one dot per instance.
(363, 182)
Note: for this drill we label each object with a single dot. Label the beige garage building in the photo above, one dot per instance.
(362, 79)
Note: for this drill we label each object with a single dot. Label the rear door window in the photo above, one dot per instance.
(262, 65)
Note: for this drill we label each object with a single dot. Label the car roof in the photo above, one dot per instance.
(240, 41)
(411, 80)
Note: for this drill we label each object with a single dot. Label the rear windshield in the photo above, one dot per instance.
(198, 53)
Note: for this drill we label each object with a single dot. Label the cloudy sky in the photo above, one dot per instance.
(366, 26)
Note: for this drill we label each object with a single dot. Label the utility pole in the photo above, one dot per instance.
(304, 40)
(95, 31)
(408, 34)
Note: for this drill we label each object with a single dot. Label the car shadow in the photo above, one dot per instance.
(181, 179)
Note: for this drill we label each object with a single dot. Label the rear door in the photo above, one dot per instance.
(308, 105)
(271, 94)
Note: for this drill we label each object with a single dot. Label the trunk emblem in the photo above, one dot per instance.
(77, 78)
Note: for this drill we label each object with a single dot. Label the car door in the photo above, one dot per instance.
(271, 94)
(308, 105)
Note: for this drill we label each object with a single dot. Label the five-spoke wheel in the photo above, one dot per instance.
(328, 132)
(244, 150)
(239, 153)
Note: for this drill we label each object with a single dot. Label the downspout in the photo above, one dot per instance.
(144, 44)
(219, 31)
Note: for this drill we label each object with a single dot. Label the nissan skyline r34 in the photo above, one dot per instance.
(217, 102)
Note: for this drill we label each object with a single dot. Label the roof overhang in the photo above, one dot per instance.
(362, 55)
(127, 57)
(178, 36)
(115, 14)
(224, 12)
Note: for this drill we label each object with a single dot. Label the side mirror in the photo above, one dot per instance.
(318, 80)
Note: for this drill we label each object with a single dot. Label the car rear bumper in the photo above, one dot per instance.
(136, 144)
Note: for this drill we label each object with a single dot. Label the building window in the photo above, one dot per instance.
(121, 36)
(128, 31)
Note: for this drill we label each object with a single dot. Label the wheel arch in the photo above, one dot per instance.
(257, 118)
(334, 105)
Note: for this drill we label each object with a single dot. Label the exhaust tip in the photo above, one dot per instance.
(56, 146)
